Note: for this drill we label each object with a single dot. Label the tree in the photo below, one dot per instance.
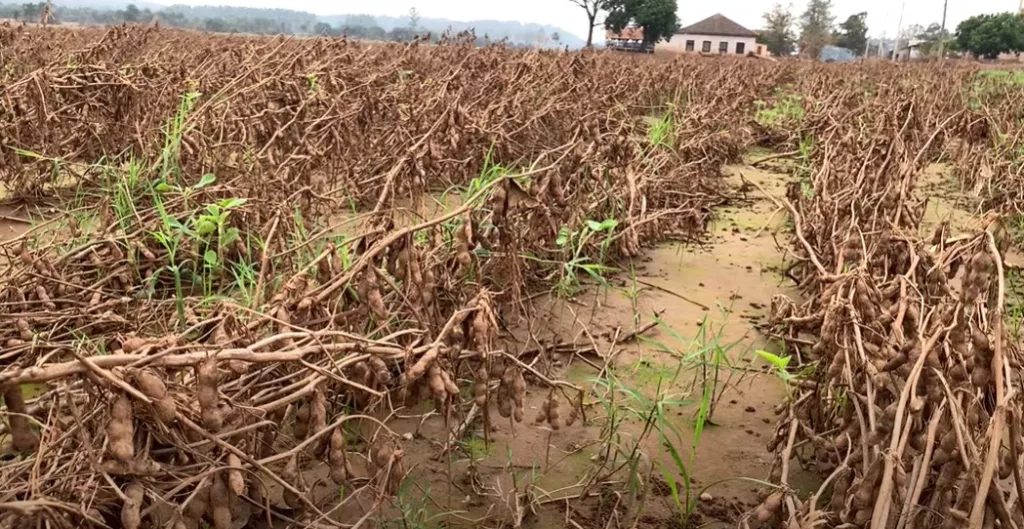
(414, 18)
(215, 25)
(778, 34)
(853, 34)
(30, 11)
(322, 28)
(933, 33)
(592, 7)
(816, 27)
(932, 38)
(990, 35)
(401, 34)
(555, 37)
(656, 17)
(131, 13)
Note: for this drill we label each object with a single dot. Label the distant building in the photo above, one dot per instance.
(909, 50)
(836, 54)
(630, 39)
(715, 34)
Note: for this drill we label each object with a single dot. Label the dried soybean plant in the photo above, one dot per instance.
(192, 338)
(910, 413)
(987, 152)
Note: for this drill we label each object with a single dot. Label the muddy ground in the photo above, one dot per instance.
(715, 294)
(686, 303)
(709, 299)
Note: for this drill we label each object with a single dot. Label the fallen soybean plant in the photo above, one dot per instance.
(909, 400)
(193, 334)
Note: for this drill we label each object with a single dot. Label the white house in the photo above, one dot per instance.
(715, 34)
(909, 50)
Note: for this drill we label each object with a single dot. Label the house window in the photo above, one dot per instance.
(706, 46)
(723, 47)
(689, 45)
(740, 48)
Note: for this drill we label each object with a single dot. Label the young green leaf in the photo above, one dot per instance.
(563, 237)
(206, 180)
(232, 203)
(230, 236)
(608, 224)
(779, 362)
(205, 226)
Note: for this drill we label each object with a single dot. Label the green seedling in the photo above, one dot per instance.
(312, 83)
(574, 243)
(186, 192)
(662, 131)
(778, 365)
(174, 132)
(212, 229)
(787, 112)
(171, 241)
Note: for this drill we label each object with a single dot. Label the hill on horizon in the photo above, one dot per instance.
(516, 32)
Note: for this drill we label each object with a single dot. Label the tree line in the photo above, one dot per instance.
(785, 33)
(211, 18)
(984, 36)
(816, 27)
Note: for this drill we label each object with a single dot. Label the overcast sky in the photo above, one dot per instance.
(883, 15)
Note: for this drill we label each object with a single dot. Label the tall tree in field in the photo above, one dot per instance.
(778, 35)
(816, 27)
(853, 34)
(592, 7)
(990, 35)
(414, 18)
(131, 13)
(656, 17)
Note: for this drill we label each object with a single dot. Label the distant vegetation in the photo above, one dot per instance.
(989, 36)
(225, 19)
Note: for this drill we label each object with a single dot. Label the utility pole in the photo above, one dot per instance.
(899, 28)
(945, 5)
(942, 32)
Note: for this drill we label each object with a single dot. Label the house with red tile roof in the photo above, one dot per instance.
(629, 39)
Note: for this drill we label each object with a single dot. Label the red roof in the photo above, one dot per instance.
(626, 34)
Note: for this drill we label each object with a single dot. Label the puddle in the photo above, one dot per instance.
(14, 222)
(945, 200)
(710, 299)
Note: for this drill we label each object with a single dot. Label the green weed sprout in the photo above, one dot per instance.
(574, 244)
(787, 110)
(662, 131)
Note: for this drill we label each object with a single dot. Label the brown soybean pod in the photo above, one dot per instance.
(120, 429)
(220, 502)
(23, 439)
(130, 510)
